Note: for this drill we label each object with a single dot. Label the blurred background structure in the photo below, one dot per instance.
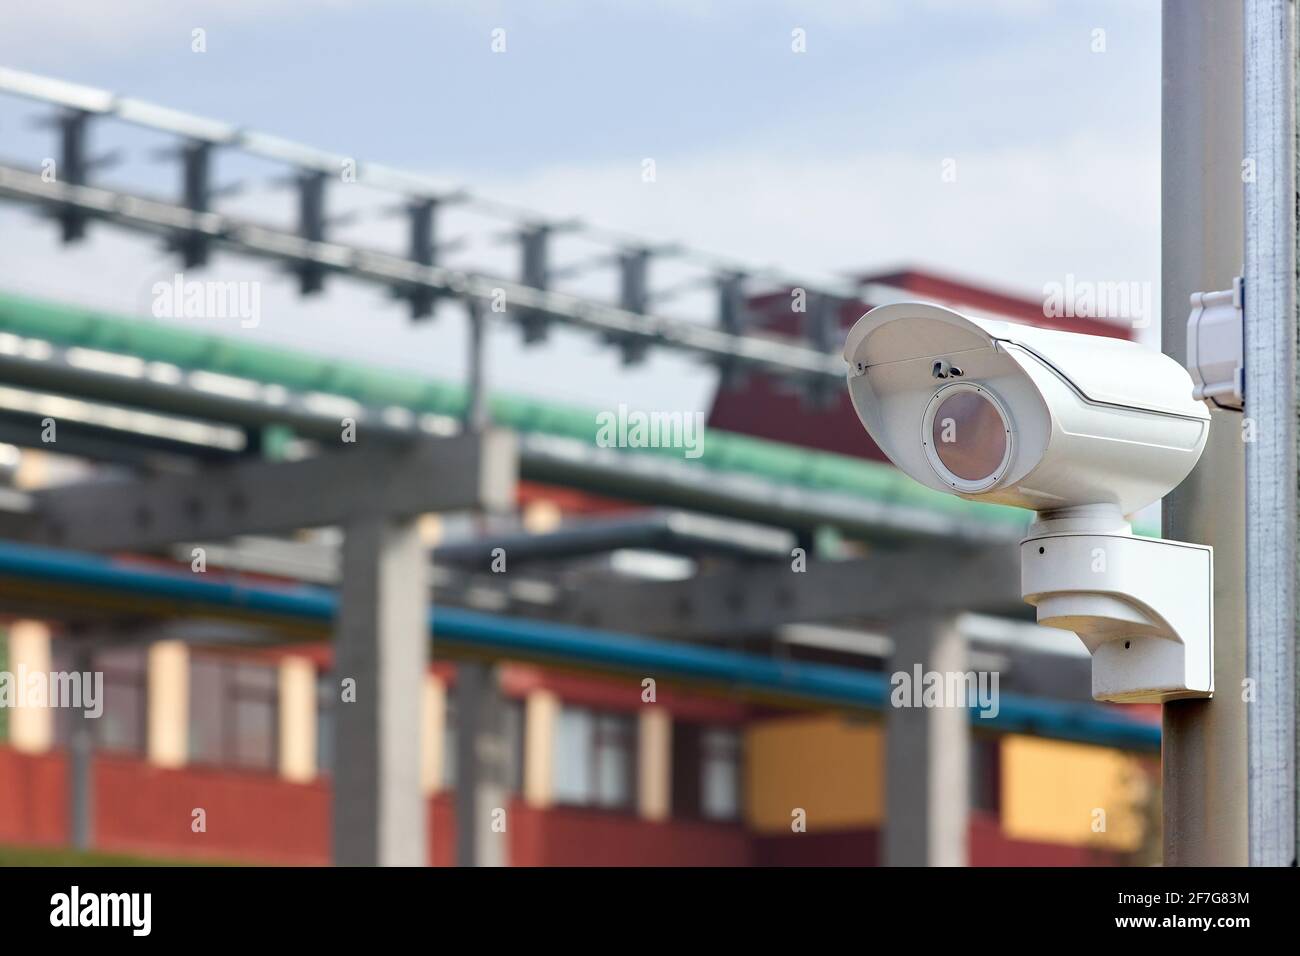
(348, 613)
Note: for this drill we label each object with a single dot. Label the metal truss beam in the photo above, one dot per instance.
(102, 443)
(676, 532)
(653, 479)
(262, 497)
(396, 272)
(675, 483)
(172, 391)
(753, 600)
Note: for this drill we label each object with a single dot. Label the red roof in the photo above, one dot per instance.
(766, 408)
(948, 291)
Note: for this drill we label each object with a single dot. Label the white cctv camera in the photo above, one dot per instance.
(1084, 430)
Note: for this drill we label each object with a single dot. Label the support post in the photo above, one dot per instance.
(424, 250)
(477, 413)
(196, 159)
(927, 754)
(1270, 363)
(311, 226)
(81, 754)
(535, 271)
(480, 766)
(73, 169)
(382, 639)
(1203, 754)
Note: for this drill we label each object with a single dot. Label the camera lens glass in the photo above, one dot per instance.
(969, 435)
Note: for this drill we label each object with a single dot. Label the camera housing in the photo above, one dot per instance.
(1083, 430)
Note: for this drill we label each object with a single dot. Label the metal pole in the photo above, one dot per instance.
(477, 413)
(1204, 754)
(480, 767)
(81, 754)
(1270, 363)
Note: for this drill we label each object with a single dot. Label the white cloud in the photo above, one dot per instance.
(1018, 216)
(85, 26)
(112, 30)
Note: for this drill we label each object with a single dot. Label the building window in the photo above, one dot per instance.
(720, 774)
(449, 755)
(234, 712)
(512, 727)
(4, 666)
(123, 724)
(121, 727)
(986, 773)
(595, 758)
(328, 692)
(706, 772)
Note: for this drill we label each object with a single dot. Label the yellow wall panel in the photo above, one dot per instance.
(1052, 791)
(298, 711)
(168, 703)
(31, 727)
(830, 767)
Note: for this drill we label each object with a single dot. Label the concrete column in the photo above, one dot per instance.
(654, 763)
(541, 714)
(297, 719)
(927, 752)
(381, 645)
(481, 755)
(31, 729)
(81, 756)
(169, 704)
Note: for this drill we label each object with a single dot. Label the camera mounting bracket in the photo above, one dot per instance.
(1144, 607)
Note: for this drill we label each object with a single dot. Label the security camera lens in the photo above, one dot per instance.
(969, 435)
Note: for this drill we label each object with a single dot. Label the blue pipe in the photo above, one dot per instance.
(817, 683)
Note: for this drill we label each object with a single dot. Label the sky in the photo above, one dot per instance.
(822, 162)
